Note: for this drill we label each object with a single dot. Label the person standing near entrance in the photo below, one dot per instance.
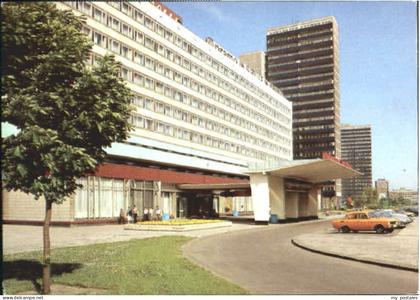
(150, 215)
(145, 214)
(135, 214)
(158, 213)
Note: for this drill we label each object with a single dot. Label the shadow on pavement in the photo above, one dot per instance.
(31, 270)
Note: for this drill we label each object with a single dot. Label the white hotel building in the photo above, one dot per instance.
(201, 120)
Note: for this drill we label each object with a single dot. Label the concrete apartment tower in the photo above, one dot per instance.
(382, 188)
(356, 149)
(303, 62)
(255, 61)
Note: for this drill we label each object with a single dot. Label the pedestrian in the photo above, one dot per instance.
(122, 219)
(130, 216)
(158, 213)
(134, 213)
(145, 214)
(151, 216)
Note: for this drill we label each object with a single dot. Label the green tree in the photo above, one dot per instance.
(66, 111)
(369, 197)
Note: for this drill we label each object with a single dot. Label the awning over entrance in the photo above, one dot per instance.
(312, 170)
(214, 186)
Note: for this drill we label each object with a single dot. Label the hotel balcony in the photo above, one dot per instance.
(297, 106)
(276, 59)
(309, 87)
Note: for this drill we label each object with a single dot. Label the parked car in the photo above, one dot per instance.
(364, 221)
(402, 219)
(408, 213)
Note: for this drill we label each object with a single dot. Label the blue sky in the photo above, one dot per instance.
(378, 64)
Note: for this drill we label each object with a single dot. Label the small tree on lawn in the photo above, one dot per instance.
(66, 112)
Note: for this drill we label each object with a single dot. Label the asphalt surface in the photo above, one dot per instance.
(265, 261)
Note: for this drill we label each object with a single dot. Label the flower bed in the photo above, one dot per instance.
(179, 222)
(178, 225)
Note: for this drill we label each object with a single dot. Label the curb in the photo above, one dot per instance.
(387, 265)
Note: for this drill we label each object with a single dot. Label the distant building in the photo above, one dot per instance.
(167, 11)
(382, 188)
(255, 61)
(303, 62)
(408, 194)
(356, 149)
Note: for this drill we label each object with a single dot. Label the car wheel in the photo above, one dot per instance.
(379, 229)
(390, 230)
(345, 229)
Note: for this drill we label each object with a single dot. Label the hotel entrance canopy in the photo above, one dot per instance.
(311, 170)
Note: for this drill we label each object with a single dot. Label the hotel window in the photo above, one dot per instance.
(168, 110)
(184, 45)
(114, 46)
(186, 81)
(148, 104)
(194, 103)
(85, 7)
(168, 73)
(186, 64)
(167, 91)
(126, 30)
(138, 58)
(149, 63)
(159, 69)
(99, 39)
(138, 79)
(138, 16)
(126, 52)
(138, 37)
(169, 54)
(179, 133)
(126, 8)
(138, 101)
(160, 30)
(177, 77)
(194, 120)
(149, 84)
(194, 68)
(114, 23)
(125, 73)
(177, 96)
(99, 15)
(87, 31)
(149, 124)
(186, 99)
(149, 43)
(139, 122)
(115, 4)
(149, 23)
(160, 50)
(177, 59)
(178, 41)
(186, 135)
(159, 87)
(160, 127)
(168, 35)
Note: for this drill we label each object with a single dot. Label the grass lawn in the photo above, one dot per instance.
(152, 266)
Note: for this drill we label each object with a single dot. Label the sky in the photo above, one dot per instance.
(378, 64)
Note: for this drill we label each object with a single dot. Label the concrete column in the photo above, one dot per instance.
(277, 196)
(292, 205)
(260, 196)
(314, 201)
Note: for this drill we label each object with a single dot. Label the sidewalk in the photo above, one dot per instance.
(399, 249)
(21, 238)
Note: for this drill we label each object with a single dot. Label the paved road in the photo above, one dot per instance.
(265, 262)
